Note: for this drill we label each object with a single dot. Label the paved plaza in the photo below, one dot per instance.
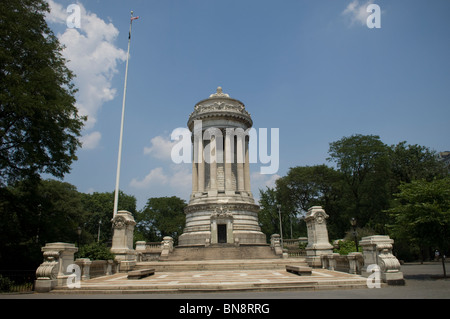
(421, 283)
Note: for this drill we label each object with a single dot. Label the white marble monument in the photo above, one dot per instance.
(221, 209)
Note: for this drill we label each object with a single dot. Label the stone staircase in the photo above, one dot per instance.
(212, 265)
(221, 257)
(217, 281)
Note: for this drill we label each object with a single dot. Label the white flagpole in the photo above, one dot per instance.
(119, 160)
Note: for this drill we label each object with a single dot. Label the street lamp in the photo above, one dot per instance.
(98, 235)
(281, 228)
(353, 223)
(79, 235)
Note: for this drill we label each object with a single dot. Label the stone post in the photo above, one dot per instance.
(167, 247)
(140, 245)
(85, 265)
(318, 243)
(275, 244)
(53, 271)
(378, 250)
(355, 261)
(122, 242)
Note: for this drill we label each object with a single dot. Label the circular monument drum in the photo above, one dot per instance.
(221, 209)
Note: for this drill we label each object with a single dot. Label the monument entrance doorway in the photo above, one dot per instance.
(222, 233)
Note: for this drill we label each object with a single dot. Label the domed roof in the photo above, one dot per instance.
(220, 104)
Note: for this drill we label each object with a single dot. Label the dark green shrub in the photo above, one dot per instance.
(5, 284)
(346, 246)
(95, 251)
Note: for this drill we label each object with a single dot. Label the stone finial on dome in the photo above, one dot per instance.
(219, 93)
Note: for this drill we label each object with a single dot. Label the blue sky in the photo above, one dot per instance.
(313, 69)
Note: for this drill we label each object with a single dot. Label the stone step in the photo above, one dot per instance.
(222, 251)
(210, 286)
(233, 264)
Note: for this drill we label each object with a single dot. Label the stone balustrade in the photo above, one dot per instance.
(351, 263)
(96, 268)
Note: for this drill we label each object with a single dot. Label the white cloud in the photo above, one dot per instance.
(177, 182)
(90, 141)
(155, 177)
(261, 181)
(160, 148)
(181, 179)
(92, 56)
(357, 12)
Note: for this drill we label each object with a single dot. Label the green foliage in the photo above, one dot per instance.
(363, 185)
(162, 216)
(95, 251)
(45, 212)
(345, 247)
(39, 122)
(364, 163)
(422, 214)
(268, 214)
(414, 162)
(5, 284)
(99, 207)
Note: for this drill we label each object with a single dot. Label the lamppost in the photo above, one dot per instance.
(353, 223)
(79, 235)
(281, 228)
(98, 234)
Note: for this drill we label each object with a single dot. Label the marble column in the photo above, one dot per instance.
(240, 162)
(194, 169)
(201, 166)
(247, 168)
(213, 164)
(227, 163)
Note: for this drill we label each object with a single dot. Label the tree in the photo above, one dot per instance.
(162, 216)
(423, 213)
(99, 207)
(268, 214)
(307, 186)
(414, 162)
(364, 162)
(39, 122)
(34, 214)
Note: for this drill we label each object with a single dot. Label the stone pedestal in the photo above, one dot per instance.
(318, 243)
(122, 242)
(53, 271)
(377, 250)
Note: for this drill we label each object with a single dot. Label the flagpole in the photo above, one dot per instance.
(119, 159)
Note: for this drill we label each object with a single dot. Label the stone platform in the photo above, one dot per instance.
(218, 276)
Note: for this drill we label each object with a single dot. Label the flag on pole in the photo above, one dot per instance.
(134, 18)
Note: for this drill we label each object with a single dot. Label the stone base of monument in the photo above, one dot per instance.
(222, 252)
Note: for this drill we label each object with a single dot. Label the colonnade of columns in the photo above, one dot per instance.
(226, 151)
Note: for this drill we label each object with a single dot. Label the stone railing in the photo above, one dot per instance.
(351, 263)
(149, 251)
(96, 268)
(292, 246)
(148, 246)
(294, 243)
